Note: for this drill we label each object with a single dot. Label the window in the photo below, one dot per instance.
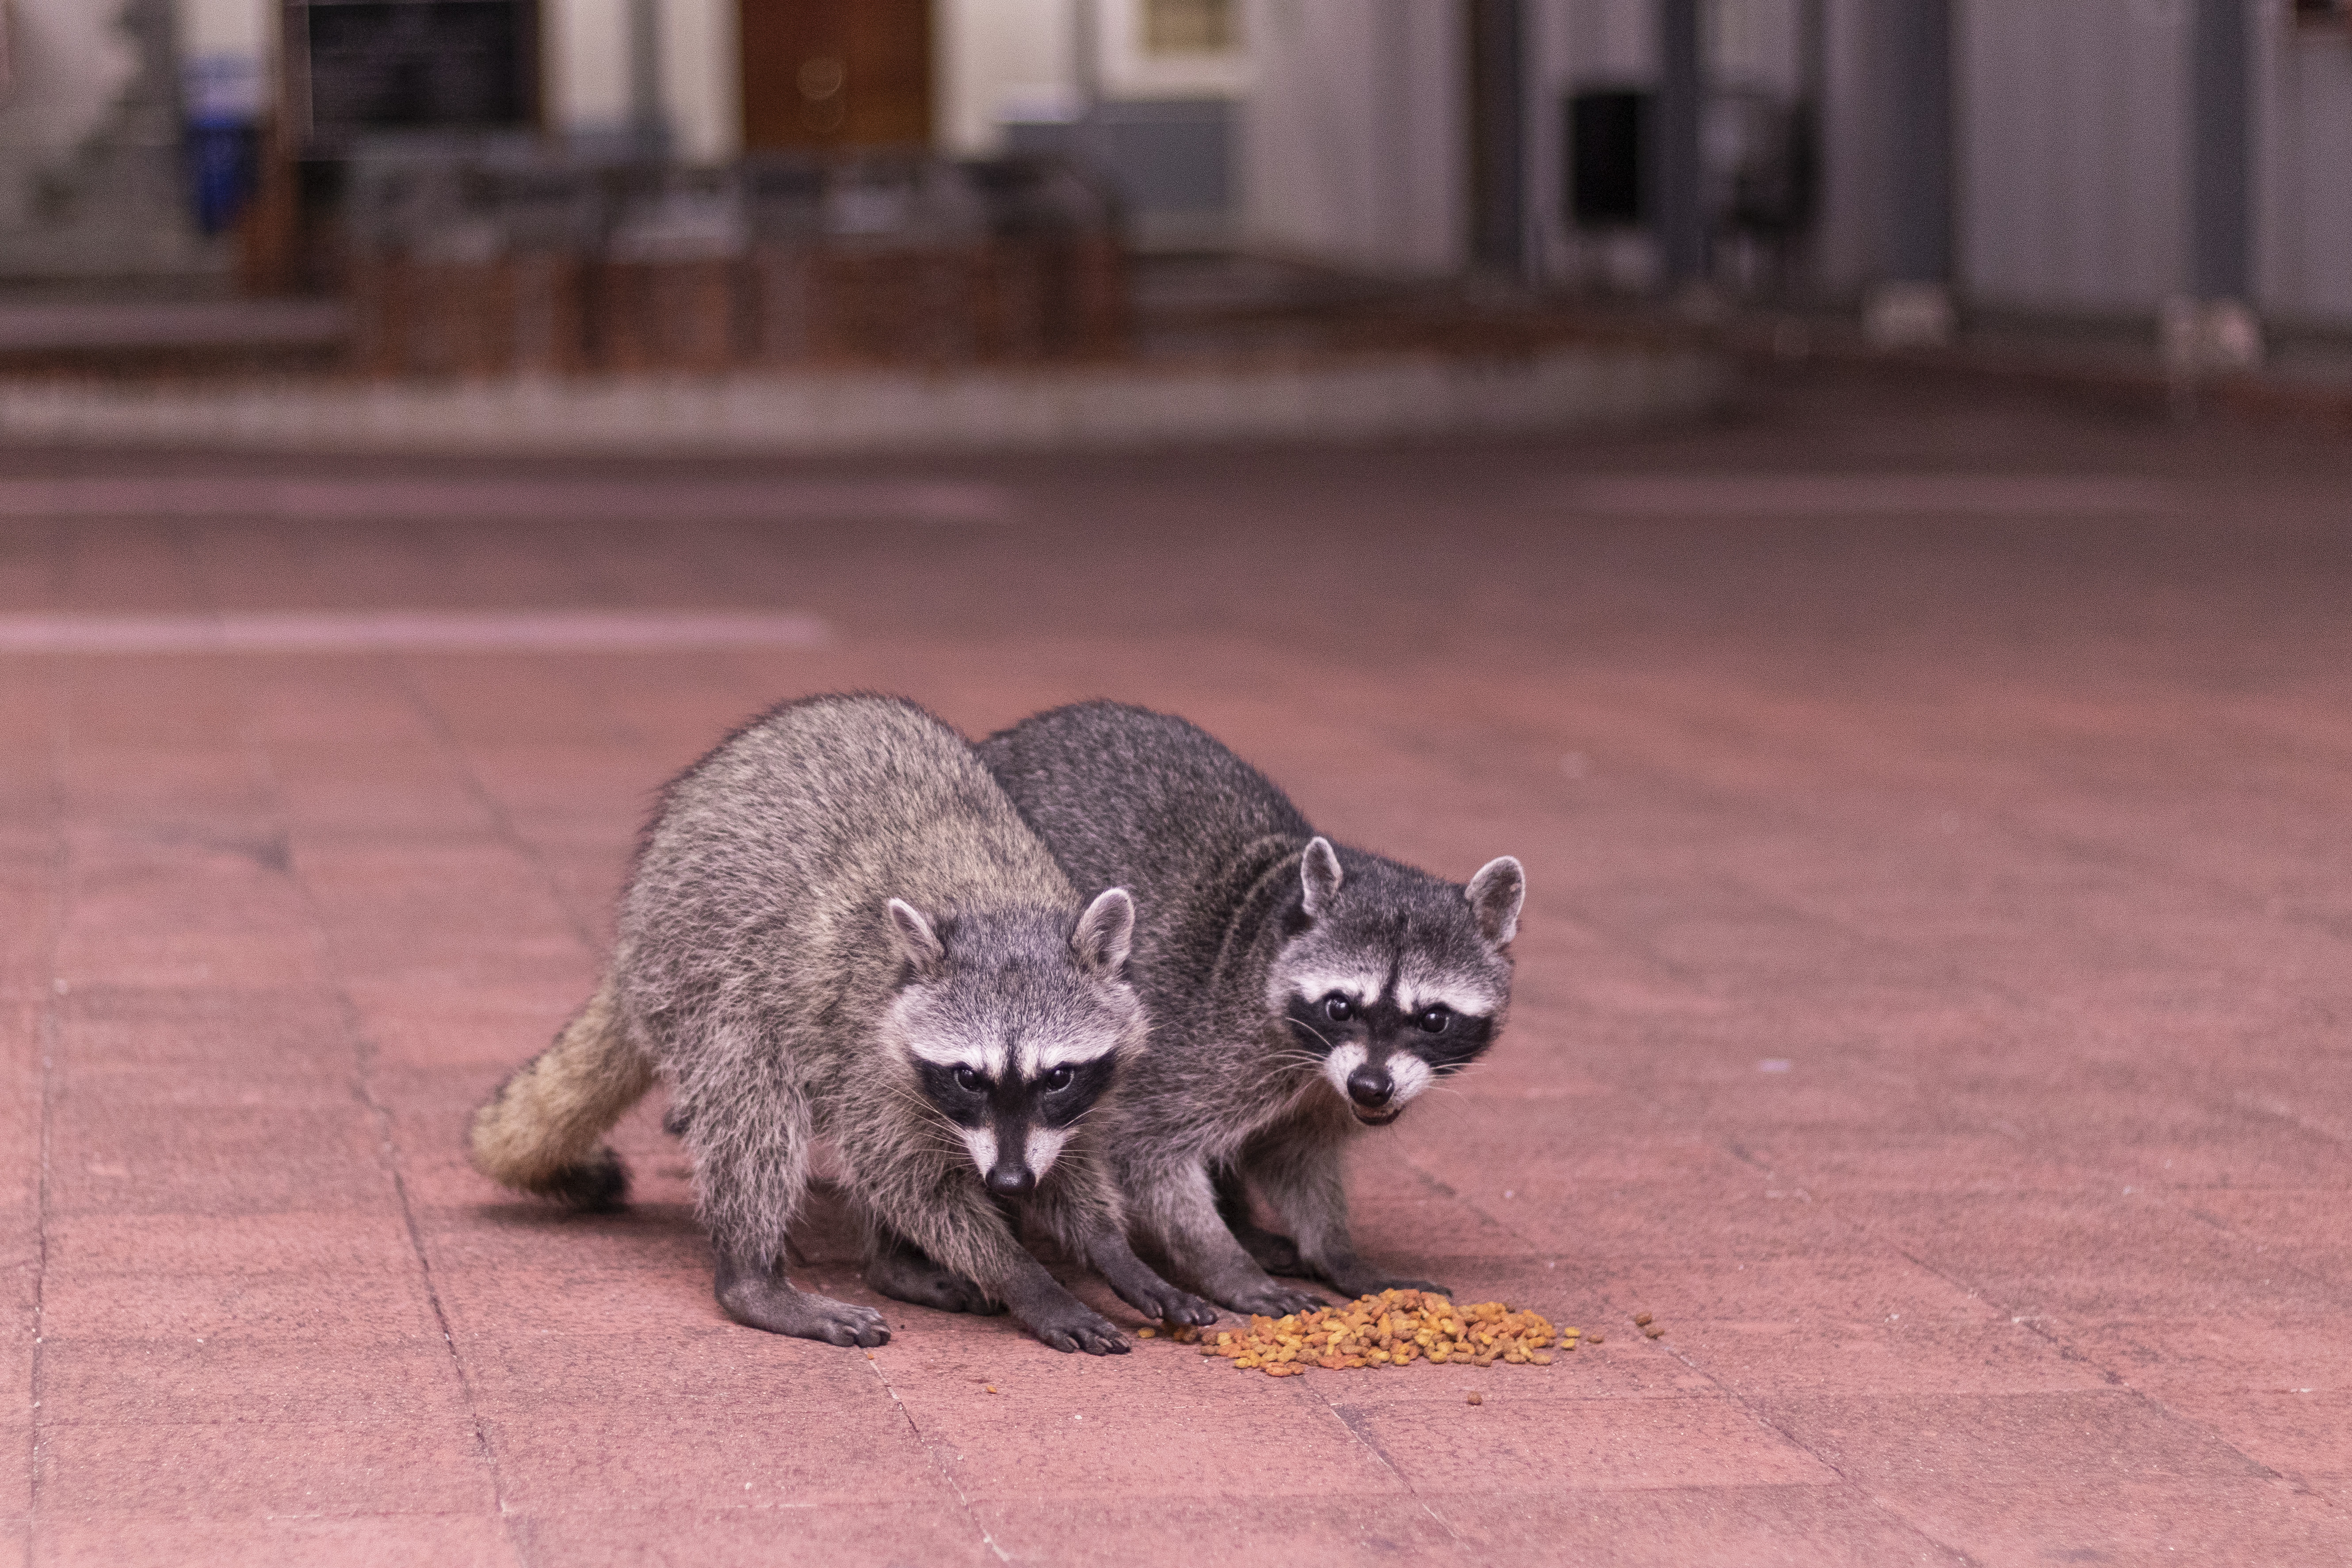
(1191, 26)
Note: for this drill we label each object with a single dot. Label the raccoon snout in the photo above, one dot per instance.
(1008, 1180)
(1371, 1086)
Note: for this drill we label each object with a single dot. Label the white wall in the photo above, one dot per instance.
(992, 54)
(2072, 154)
(246, 27)
(1354, 148)
(2303, 172)
(701, 77)
(585, 64)
(70, 65)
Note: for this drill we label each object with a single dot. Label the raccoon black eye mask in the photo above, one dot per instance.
(1299, 990)
(838, 928)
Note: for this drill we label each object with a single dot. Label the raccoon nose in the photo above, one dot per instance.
(1371, 1086)
(1010, 1181)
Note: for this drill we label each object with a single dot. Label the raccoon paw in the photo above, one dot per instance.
(1275, 1254)
(1264, 1296)
(1167, 1304)
(773, 1305)
(911, 1277)
(1371, 1282)
(1077, 1329)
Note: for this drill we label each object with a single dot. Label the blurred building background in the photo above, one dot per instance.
(2098, 162)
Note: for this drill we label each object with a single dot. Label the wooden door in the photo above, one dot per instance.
(837, 73)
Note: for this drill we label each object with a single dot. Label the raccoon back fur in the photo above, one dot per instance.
(1299, 990)
(837, 928)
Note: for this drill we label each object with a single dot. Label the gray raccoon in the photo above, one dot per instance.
(838, 928)
(1299, 990)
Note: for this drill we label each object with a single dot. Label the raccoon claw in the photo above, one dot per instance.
(1172, 1306)
(1188, 1309)
(776, 1307)
(1267, 1299)
(1373, 1284)
(1096, 1337)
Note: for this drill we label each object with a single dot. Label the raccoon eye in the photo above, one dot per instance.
(1059, 1079)
(1337, 1008)
(966, 1080)
(1433, 1020)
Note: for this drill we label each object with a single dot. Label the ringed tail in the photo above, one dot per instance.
(542, 1132)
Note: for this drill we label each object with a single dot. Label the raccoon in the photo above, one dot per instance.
(837, 928)
(1299, 990)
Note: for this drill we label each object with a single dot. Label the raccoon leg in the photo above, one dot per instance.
(1082, 1211)
(1275, 1254)
(900, 1269)
(1299, 1176)
(1177, 1212)
(543, 1131)
(1051, 1313)
(750, 1146)
(758, 1296)
(1139, 1286)
(973, 1236)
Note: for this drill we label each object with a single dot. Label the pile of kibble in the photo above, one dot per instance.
(1395, 1328)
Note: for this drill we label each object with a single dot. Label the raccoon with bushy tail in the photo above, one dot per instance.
(1299, 990)
(837, 928)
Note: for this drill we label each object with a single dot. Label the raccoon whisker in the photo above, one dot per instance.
(1316, 1033)
(942, 1135)
(1306, 1061)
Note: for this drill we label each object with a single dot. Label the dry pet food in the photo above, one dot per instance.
(1394, 1328)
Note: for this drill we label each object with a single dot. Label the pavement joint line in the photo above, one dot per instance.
(2039, 1325)
(510, 1522)
(407, 631)
(931, 1452)
(1346, 1417)
(503, 826)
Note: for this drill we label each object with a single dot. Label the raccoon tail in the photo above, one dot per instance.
(543, 1131)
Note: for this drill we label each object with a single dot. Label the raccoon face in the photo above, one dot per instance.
(1393, 979)
(1014, 1023)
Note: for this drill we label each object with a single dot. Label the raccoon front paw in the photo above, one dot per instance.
(1274, 1253)
(1266, 1298)
(1167, 1304)
(773, 1305)
(1081, 1330)
(1370, 1282)
(916, 1279)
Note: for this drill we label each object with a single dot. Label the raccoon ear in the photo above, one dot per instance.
(912, 935)
(1105, 932)
(1319, 869)
(1495, 895)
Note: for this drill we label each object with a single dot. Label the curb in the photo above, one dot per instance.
(816, 413)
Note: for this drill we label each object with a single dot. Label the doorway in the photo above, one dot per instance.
(837, 73)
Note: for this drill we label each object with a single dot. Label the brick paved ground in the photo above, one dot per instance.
(2007, 811)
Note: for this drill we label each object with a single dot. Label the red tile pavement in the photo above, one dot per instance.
(1932, 1007)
